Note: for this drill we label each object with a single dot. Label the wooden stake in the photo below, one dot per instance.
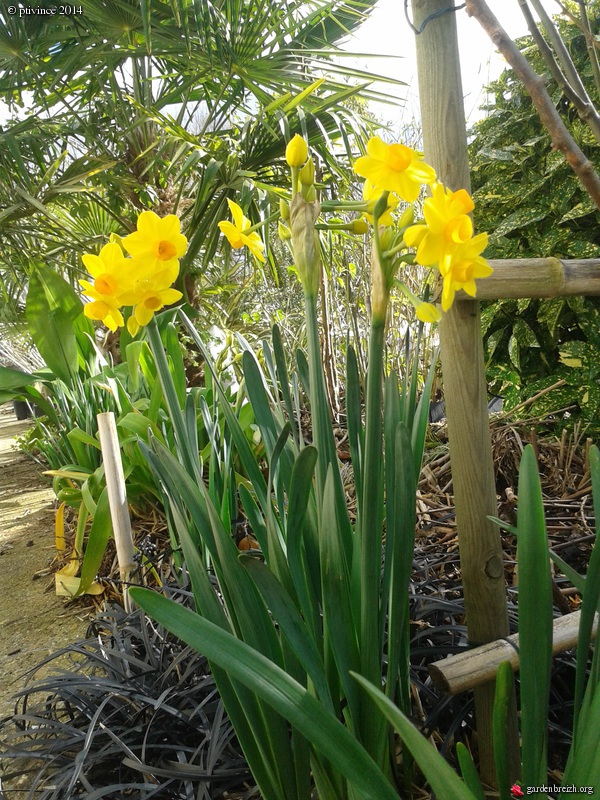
(465, 389)
(479, 665)
(117, 498)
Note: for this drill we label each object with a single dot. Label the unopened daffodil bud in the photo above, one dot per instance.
(307, 173)
(283, 231)
(296, 151)
(309, 193)
(305, 243)
(387, 238)
(427, 312)
(359, 226)
(407, 218)
(380, 292)
(284, 209)
(381, 205)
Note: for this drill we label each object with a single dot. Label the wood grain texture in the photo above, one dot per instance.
(466, 670)
(465, 389)
(538, 277)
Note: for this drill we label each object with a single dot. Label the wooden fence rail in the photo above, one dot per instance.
(539, 277)
(479, 665)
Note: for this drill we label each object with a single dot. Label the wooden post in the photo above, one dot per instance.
(117, 499)
(465, 389)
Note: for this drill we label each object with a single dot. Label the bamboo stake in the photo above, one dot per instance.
(117, 499)
(539, 277)
(464, 671)
(465, 389)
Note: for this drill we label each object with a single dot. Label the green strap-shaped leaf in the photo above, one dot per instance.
(51, 324)
(302, 538)
(590, 601)
(535, 620)
(443, 780)
(100, 533)
(284, 382)
(468, 771)
(325, 732)
(339, 625)
(356, 434)
(502, 700)
(291, 624)
(421, 418)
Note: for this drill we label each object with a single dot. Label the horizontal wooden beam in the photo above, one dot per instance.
(538, 277)
(479, 665)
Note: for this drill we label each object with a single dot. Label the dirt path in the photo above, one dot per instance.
(33, 621)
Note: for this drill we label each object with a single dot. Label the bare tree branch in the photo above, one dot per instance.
(572, 86)
(561, 51)
(534, 84)
(590, 42)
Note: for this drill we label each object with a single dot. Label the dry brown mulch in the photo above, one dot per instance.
(566, 489)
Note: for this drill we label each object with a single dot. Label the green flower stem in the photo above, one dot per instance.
(371, 520)
(408, 258)
(190, 458)
(344, 205)
(373, 728)
(262, 224)
(294, 171)
(322, 431)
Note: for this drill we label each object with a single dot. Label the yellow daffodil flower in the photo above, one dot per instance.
(157, 244)
(371, 195)
(109, 270)
(235, 232)
(465, 265)
(296, 151)
(142, 281)
(149, 301)
(394, 168)
(111, 273)
(107, 311)
(447, 226)
(427, 312)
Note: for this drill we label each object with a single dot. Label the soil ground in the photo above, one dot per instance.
(33, 621)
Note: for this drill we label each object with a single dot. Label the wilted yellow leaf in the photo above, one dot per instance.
(59, 528)
(71, 568)
(68, 585)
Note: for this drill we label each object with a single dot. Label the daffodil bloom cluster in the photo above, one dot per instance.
(445, 239)
(392, 172)
(141, 279)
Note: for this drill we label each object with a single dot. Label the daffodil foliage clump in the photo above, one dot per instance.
(295, 634)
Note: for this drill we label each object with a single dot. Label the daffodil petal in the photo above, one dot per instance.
(231, 233)
(143, 314)
(239, 220)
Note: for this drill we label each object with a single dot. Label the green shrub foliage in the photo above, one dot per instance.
(532, 204)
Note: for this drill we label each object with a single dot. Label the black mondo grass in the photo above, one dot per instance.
(135, 714)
